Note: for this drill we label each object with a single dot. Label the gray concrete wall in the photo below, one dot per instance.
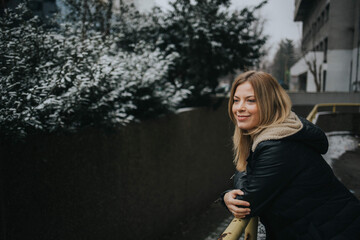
(303, 98)
(356, 24)
(339, 28)
(304, 102)
(340, 122)
(311, 36)
(341, 24)
(138, 182)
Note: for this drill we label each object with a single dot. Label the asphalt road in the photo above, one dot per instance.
(347, 169)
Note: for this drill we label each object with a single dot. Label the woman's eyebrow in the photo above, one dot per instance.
(245, 97)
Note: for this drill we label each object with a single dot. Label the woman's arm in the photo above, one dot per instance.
(237, 207)
(273, 168)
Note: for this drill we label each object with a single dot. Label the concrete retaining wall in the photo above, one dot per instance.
(339, 122)
(304, 102)
(133, 183)
(303, 98)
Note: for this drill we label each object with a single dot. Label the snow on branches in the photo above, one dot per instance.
(55, 80)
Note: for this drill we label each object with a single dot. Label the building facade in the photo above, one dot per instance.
(330, 43)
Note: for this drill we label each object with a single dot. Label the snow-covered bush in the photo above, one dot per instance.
(98, 67)
(57, 80)
(22, 51)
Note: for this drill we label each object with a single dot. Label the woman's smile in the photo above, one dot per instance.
(242, 118)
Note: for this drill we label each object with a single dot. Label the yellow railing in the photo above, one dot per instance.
(315, 110)
(237, 226)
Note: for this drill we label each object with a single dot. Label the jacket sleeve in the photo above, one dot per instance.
(239, 178)
(273, 166)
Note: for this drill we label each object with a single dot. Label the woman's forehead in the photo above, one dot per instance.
(243, 88)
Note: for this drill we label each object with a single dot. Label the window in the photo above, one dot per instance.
(302, 81)
(318, 23)
(325, 49)
(327, 9)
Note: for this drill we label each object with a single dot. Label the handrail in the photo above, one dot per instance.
(237, 227)
(314, 111)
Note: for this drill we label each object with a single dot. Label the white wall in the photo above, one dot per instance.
(338, 75)
(303, 98)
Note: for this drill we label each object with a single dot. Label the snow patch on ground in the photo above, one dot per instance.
(339, 143)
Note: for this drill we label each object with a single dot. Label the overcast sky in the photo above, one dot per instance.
(279, 15)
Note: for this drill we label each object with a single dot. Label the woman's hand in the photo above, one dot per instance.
(232, 204)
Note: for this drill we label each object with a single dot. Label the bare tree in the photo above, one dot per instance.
(315, 68)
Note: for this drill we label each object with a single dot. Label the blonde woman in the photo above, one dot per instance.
(281, 176)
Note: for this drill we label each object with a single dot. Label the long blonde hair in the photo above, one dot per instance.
(274, 106)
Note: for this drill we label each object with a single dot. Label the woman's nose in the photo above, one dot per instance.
(240, 107)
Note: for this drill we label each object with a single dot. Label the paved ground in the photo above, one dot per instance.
(347, 169)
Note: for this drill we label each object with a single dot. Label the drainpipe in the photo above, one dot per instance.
(357, 60)
(350, 81)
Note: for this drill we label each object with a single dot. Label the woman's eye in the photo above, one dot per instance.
(251, 100)
(235, 100)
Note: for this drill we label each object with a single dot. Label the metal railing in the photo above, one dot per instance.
(237, 226)
(312, 115)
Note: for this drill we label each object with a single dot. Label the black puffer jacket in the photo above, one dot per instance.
(294, 191)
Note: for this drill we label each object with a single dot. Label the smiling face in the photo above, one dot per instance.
(245, 108)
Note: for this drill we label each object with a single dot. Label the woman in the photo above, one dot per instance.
(282, 177)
